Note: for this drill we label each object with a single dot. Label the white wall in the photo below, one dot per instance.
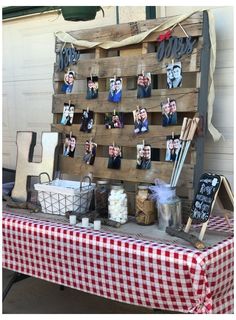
(28, 59)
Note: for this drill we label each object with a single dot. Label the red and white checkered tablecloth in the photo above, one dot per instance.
(146, 273)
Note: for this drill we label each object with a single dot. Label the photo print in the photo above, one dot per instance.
(92, 88)
(115, 91)
(86, 121)
(114, 120)
(169, 112)
(69, 79)
(140, 120)
(143, 156)
(173, 145)
(144, 85)
(68, 114)
(69, 146)
(90, 149)
(115, 154)
(174, 75)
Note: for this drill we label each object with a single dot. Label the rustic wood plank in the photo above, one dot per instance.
(192, 25)
(125, 136)
(186, 98)
(128, 66)
(128, 171)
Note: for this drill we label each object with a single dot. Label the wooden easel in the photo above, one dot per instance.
(225, 199)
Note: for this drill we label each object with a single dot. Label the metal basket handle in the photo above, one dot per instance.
(45, 173)
(83, 180)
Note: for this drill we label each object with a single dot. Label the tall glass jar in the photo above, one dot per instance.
(117, 204)
(145, 207)
(101, 197)
(169, 208)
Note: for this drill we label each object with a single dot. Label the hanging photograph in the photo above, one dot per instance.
(140, 120)
(69, 79)
(69, 146)
(90, 149)
(143, 156)
(173, 145)
(92, 88)
(115, 91)
(114, 120)
(169, 113)
(144, 85)
(87, 121)
(174, 75)
(114, 161)
(68, 114)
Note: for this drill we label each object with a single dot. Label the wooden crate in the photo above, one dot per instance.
(127, 62)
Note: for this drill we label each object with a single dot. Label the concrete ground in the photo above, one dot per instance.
(34, 296)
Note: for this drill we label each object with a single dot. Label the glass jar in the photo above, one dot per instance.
(117, 204)
(169, 208)
(145, 207)
(101, 197)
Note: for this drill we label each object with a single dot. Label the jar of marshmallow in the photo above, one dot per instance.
(117, 204)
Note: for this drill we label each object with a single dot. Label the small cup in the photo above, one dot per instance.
(73, 219)
(85, 222)
(97, 224)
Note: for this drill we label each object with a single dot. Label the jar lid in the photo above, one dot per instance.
(102, 182)
(117, 186)
(143, 187)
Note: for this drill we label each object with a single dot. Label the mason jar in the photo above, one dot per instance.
(101, 197)
(145, 208)
(117, 204)
(169, 208)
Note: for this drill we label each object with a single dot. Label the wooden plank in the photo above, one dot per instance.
(124, 30)
(128, 66)
(128, 171)
(186, 99)
(202, 101)
(125, 136)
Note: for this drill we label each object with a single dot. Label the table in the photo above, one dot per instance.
(158, 275)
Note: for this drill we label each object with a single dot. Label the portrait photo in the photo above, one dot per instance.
(90, 149)
(68, 114)
(86, 121)
(92, 88)
(115, 154)
(114, 120)
(143, 156)
(174, 75)
(140, 120)
(69, 146)
(69, 79)
(144, 85)
(115, 90)
(169, 112)
(173, 145)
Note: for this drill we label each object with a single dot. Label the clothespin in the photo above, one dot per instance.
(143, 72)
(69, 103)
(172, 61)
(173, 135)
(114, 77)
(114, 112)
(91, 77)
(168, 100)
(143, 143)
(70, 134)
(87, 109)
(113, 144)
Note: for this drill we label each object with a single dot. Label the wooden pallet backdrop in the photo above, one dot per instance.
(128, 62)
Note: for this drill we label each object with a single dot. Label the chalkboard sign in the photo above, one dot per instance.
(204, 200)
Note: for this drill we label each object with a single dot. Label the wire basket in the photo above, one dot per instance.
(59, 196)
